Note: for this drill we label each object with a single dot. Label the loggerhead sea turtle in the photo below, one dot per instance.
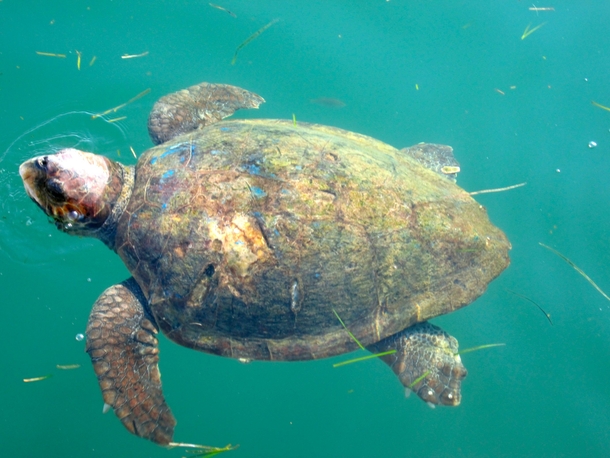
(249, 238)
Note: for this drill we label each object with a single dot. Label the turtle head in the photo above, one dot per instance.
(77, 190)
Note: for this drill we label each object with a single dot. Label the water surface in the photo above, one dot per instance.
(456, 72)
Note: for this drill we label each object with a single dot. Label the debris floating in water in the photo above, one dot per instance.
(328, 102)
(363, 358)
(78, 57)
(480, 347)
(576, 268)
(218, 7)
(203, 450)
(250, 38)
(37, 379)
(115, 109)
(418, 379)
(67, 367)
(348, 331)
(529, 31)
(117, 119)
(547, 315)
(133, 56)
(600, 106)
(92, 61)
(487, 191)
(79, 337)
(592, 144)
(51, 54)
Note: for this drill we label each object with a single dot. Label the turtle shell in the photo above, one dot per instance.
(247, 235)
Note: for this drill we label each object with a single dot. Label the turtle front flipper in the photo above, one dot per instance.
(426, 361)
(196, 107)
(123, 349)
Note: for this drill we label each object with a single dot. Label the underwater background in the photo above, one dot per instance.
(508, 86)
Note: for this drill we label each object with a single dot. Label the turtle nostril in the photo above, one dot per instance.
(209, 270)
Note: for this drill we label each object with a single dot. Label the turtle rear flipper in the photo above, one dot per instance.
(426, 361)
(196, 107)
(438, 158)
(123, 349)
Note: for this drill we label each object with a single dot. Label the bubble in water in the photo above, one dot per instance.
(592, 144)
(80, 336)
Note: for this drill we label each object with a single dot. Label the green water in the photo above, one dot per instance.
(544, 394)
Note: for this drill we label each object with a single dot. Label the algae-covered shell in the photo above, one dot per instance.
(245, 235)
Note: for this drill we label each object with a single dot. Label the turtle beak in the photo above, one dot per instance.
(31, 172)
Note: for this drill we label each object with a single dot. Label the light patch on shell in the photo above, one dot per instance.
(106, 408)
(295, 297)
(242, 242)
(450, 169)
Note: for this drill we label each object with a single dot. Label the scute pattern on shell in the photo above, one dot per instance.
(225, 224)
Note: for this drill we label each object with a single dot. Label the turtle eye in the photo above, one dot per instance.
(42, 163)
(55, 191)
(73, 215)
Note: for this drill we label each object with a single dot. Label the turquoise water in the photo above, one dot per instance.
(407, 72)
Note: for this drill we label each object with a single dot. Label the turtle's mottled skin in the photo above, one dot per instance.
(244, 237)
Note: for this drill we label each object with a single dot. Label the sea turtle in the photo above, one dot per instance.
(269, 240)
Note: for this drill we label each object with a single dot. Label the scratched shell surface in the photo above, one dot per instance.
(246, 234)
